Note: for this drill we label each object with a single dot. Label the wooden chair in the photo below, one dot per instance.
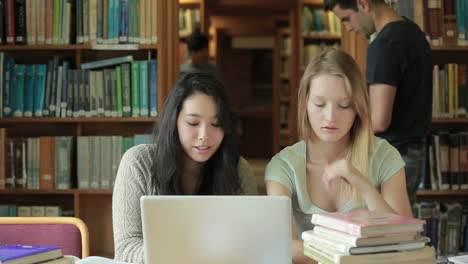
(70, 233)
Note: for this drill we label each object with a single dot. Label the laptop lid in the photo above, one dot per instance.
(216, 229)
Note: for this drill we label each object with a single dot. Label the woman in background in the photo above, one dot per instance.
(339, 165)
(195, 152)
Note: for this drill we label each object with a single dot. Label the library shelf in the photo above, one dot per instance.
(450, 120)
(23, 120)
(422, 193)
(321, 37)
(52, 192)
(75, 47)
(449, 48)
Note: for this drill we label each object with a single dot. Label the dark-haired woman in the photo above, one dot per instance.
(195, 152)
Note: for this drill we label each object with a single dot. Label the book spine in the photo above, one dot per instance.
(153, 88)
(83, 162)
(123, 18)
(9, 87)
(135, 88)
(28, 91)
(106, 62)
(41, 21)
(99, 21)
(47, 163)
(49, 23)
(19, 90)
(63, 149)
(39, 91)
(2, 22)
(154, 22)
(20, 21)
(144, 91)
(113, 94)
(126, 90)
(79, 22)
(56, 22)
(10, 33)
(118, 77)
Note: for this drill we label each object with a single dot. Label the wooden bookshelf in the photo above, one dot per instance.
(450, 121)
(94, 207)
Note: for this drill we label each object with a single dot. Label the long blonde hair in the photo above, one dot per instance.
(338, 63)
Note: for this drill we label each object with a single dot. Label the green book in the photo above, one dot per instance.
(56, 22)
(135, 89)
(119, 91)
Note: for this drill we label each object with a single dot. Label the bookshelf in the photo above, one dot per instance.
(94, 207)
(281, 88)
(310, 30)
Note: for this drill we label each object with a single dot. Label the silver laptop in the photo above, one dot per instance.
(216, 229)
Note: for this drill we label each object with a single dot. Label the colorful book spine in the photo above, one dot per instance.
(123, 19)
(9, 87)
(144, 91)
(135, 89)
(28, 90)
(10, 34)
(20, 21)
(18, 109)
(153, 88)
(39, 91)
(2, 22)
(49, 23)
(56, 22)
(118, 76)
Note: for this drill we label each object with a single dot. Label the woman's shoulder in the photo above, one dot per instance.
(381, 146)
(298, 150)
(139, 154)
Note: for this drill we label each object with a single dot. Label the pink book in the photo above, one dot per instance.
(368, 223)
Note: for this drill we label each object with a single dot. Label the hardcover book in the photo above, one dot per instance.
(368, 223)
(22, 254)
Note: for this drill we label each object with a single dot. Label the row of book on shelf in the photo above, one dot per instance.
(450, 90)
(366, 237)
(61, 163)
(319, 22)
(444, 21)
(61, 22)
(448, 161)
(33, 254)
(125, 87)
(446, 226)
(33, 210)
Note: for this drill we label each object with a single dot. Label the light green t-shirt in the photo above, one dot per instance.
(288, 167)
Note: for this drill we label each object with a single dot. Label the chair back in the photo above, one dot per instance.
(70, 233)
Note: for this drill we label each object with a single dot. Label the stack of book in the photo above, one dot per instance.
(366, 237)
(22, 254)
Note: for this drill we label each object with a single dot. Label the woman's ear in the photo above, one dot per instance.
(363, 5)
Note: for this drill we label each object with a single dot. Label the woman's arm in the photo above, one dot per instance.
(126, 212)
(393, 197)
(298, 257)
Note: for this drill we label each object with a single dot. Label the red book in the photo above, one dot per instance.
(10, 22)
(368, 223)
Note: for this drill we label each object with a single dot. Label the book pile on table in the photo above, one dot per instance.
(22, 254)
(365, 237)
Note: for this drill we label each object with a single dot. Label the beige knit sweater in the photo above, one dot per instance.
(132, 182)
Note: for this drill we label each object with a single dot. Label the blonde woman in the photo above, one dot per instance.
(339, 165)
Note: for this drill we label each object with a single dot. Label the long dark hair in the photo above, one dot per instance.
(220, 176)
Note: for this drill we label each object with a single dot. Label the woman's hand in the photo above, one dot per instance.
(343, 169)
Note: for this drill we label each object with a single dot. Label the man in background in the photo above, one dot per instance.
(197, 45)
(399, 75)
